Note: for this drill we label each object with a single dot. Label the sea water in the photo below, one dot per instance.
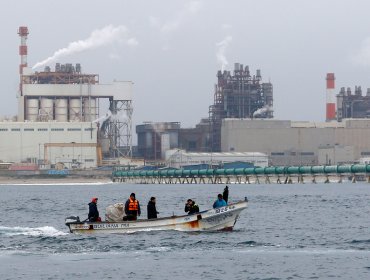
(306, 231)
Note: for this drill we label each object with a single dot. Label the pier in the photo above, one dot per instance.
(255, 175)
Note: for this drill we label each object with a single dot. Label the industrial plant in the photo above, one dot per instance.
(68, 119)
(238, 95)
(60, 119)
(241, 123)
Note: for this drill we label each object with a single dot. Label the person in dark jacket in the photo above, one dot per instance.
(191, 207)
(93, 211)
(225, 195)
(132, 208)
(152, 210)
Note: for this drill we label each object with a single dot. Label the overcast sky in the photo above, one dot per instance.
(172, 49)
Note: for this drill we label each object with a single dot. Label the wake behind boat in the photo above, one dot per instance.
(223, 218)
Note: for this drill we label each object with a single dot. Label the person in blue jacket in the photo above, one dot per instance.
(219, 202)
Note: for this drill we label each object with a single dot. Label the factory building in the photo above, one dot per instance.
(346, 104)
(196, 139)
(299, 143)
(71, 144)
(154, 139)
(353, 104)
(61, 111)
(238, 95)
(181, 159)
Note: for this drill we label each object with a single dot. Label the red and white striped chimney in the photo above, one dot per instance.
(23, 33)
(330, 97)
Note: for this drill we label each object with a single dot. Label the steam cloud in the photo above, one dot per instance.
(220, 54)
(190, 9)
(100, 37)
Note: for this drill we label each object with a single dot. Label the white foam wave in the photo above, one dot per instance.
(46, 231)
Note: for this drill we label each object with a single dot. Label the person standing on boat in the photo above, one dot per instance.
(152, 210)
(93, 211)
(132, 208)
(219, 202)
(225, 195)
(191, 207)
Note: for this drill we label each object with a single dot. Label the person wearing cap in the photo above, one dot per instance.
(132, 208)
(220, 202)
(191, 207)
(152, 210)
(93, 211)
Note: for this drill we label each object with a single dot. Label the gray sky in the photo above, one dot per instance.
(172, 49)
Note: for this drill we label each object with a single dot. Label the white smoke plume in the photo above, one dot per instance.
(262, 111)
(166, 28)
(121, 116)
(221, 49)
(103, 118)
(362, 57)
(100, 37)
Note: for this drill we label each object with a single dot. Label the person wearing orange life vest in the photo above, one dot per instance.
(132, 208)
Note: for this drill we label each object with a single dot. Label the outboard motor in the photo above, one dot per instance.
(72, 220)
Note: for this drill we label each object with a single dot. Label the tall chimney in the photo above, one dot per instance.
(330, 97)
(23, 32)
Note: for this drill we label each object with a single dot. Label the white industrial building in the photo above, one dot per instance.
(179, 158)
(73, 144)
(299, 143)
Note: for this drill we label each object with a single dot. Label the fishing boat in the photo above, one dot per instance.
(222, 218)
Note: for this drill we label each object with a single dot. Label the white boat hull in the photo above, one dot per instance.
(223, 218)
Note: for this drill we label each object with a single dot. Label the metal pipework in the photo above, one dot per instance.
(271, 170)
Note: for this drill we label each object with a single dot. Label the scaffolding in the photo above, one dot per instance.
(238, 95)
(118, 129)
(63, 74)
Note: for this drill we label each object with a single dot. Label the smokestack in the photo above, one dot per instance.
(23, 32)
(330, 97)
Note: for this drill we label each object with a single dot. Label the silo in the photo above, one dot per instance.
(61, 110)
(75, 110)
(32, 109)
(46, 109)
(89, 109)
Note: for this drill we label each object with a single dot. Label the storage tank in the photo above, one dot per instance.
(61, 110)
(75, 110)
(89, 109)
(46, 109)
(32, 109)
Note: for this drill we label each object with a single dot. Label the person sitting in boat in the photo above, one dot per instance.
(132, 208)
(93, 211)
(191, 207)
(219, 202)
(152, 210)
(225, 194)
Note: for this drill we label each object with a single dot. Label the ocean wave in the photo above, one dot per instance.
(46, 231)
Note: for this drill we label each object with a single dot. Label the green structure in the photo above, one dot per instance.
(278, 174)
